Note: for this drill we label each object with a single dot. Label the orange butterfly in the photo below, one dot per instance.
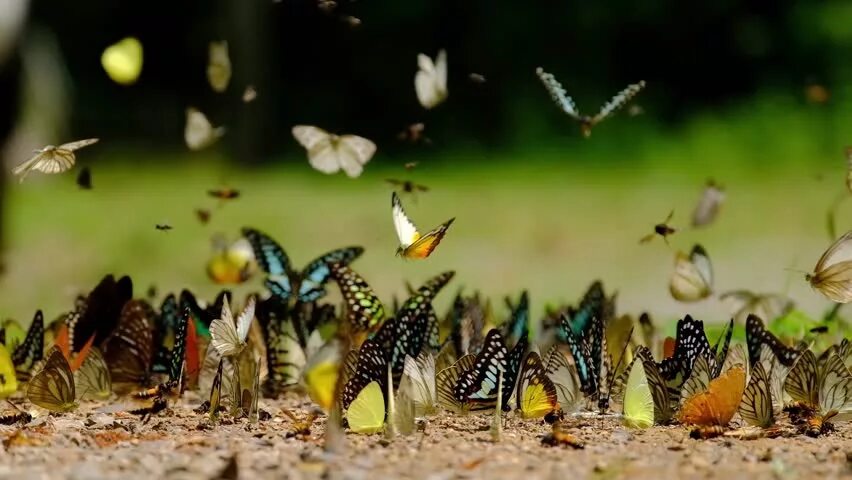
(718, 404)
(411, 243)
(62, 342)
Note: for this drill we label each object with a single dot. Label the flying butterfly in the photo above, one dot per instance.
(414, 134)
(282, 279)
(231, 263)
(692, 279)
(52, 159)
(92, 380)
(218, 66)
(661, 229)
(756, 406)
(199, 133)
(163, 227)
(413, 245)
(536, 394)
(249, 94)
(832, 275)
(329, 153)
(224, 193)
(563, 101)
(228, 336)
(708, 205)
(407, 186)
(430, 82)
(52, 387)
(764, 305)
(84, 178)
(718, 403)
(122, 61)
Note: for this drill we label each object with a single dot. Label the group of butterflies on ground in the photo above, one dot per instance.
(383, 368)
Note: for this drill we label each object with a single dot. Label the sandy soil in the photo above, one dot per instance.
(178, 443)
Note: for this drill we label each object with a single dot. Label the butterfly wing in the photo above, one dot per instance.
(199, 132)
(757, 335)
(322, 154)
(405, 229)
(418, 381)
(536, 394)
(718, 404)
(245, 319)
(446, 383)
(31, 350)
(708, 206)
(698, 380)
(273, 260)
(558, 93)
(430, 81)
(8, 380)
(756, 407)
(218, 66)
(353, 153)
(618, 101)
(693, 276)
(52, 387)
(366, 414)
(638, 404)
(835, 389)
(424, 245)
(92, 380)
(318, 272)
(129, 350)
(802, 381)
(73, 146)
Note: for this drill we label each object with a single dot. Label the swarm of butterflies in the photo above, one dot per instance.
(388, 367)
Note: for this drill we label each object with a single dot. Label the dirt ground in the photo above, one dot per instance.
(180, 444)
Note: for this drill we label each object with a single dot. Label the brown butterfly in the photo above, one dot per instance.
(414, 133)
(225, 193)
(407, 186)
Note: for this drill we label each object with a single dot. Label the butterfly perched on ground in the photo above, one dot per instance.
(832, 275)
(282, 280)
(199, 133)
(129, 350)
(419, 304)
(518, 323)
(218, 66)
(414, 134)
(563, 374)
(566, 103)
(320, 375)
(92, 380)
(718, 403)
(430, 82)
(646, 398)
(371, 366)
(692, 279)
(661, 229)
(412, 244)
(536, 394)
(84, 178)
(825, 390)
(8, 379)
(765, 305)
(364, 311)
(329, 153)
(756, 408)
(366, 413)
(757, 335)
(52, 387)
(418, 383)
(228, 336)
(31, 350)
(708, 205)
(52, 159)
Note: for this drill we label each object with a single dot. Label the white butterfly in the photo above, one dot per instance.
(692, 279)
(566, 103)
(418, 383)
(765, 305)
(218, 66)
(430, 82)
(832, 274)
(708, 206)
(412, 244)
(329, 153)
(199, 133)
(51, 159)
(228, 337)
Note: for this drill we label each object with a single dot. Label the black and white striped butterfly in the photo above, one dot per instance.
(566, 103)
(757, 335)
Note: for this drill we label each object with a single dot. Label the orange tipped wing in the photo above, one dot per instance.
(80, 357)
(718, 404)
(424, 245)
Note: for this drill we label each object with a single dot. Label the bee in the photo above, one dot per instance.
(558, 436)
(407, 186)
(706, 432)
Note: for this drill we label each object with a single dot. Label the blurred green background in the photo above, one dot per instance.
(755, 95)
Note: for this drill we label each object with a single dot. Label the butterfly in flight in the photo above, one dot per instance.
(199, 133)
(84, 178)
(430, 82)
(218, 66)
(662, 229)
(692, 279)
(407, 186)
(412, 244)
(708, 205)
(329, 153)
(52, 159)
(832, 275)
(203, 215)
(566, 103)
(414, 134)
(225, 193)
(163, 227)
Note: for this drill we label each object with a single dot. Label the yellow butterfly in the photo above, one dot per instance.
(52, 387)
(231, 264)
(692, 279)
(366, 414)
(122, 61)
(51, 159)
(832, 274)
(8, 380)
(638, 403)
(412, 244)
(320, 375)
(218, 66)
(536, 394)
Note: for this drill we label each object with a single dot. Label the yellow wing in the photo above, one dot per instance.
(366, 414)
(536, 392)
(638, 407)
(321, 380)
(424, 245)
(8, 380)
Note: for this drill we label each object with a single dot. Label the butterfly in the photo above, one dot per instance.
(560, 97)
(321, 375)
(718, 403)
(446, 381)
(518, 323)
(75, 359)
(249, 94)
(218, 66)
(832, 275)
(129, 350)
(122, 61)
(826, 389)
(564, 377)
(92, 380)
(466, 321)
(756, 408)
(645, 379)
(329, 153)
(52, 387)
(764, 305)
(230, 263)
(216, 392)
(420, 305)
(52, 159)
(594, 304)
(164, 227)
(401, 409)
(476, 78)
(203, 215)
(692, 279)
(84, 178)
(199, 133)
(476, 387)
(413, 245)
(414, 134)
(690, 344)
(8, 379)
(371, 366)
(401, 336)
(224, 193)
(418, 383)
(757, 335)
(407, 186)
(366, 413)
(662, 229)
(282, 280)
(708, 205)
(430, 82)
(228, 337)
(364, 310)
(31, 351)
(536, 394)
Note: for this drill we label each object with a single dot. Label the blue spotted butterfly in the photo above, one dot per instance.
(282, 280)
(476, 387)
(420, 303)
(519, 320)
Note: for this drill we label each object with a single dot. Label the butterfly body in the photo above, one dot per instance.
(414, 245)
